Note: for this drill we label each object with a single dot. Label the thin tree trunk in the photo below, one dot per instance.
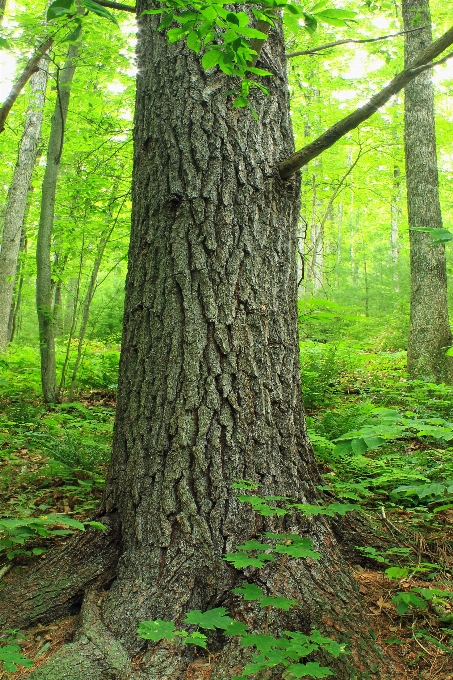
(73, 321)
(87, 304)
(316, 243)
(17, 197)
(339, 235)
(429, 332)
(17, 293)
(43, 248)
(395, 218)
(367, 291)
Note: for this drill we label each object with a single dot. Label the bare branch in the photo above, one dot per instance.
(19, 85)
(313, 50)
(116, 5)
(289, 166)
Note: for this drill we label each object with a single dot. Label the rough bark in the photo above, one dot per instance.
(429, 333)
(44, 301)
(17, 197)
(209, 388)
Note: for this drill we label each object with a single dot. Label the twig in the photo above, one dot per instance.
(424, 61)
(313, 50)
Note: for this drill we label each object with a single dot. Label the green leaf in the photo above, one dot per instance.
(156, 630)
(96, 525)
(64, 520)
(99, 10)
(166, 21)
(341, 508)
(297, 551)
(58, 9)
(4, 45)
(213, 618)
(209, 60)
(193, 41)
(263, 643)
(294, 9)
(373, 442)
(336, 14)
(311, 23)
(197, 639)
(319, 5)
(253, 545)
(231, 18)
(252, 33)
(397, 572)
(241, 560)
(75, 35)
(278, 603)
(359, 446)
(313, 670)
(249, 591)
(236, 628)
(210, 13)
(262, 72)
(175, 34)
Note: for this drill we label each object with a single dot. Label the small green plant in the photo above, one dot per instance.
(17, 532)
(418, 598)
(291, 648)
(11, 654)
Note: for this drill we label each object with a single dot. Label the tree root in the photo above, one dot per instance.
(79, 572)
(55, 587)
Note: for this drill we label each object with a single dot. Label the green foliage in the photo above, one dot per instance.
(11, 657)
(271, 652)
(226, 39)
(17, 532)
(322, 369)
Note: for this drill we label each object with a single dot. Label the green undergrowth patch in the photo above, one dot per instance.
(53, 458)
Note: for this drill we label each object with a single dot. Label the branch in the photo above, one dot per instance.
(424, 61)
(116, 5)
(290, 55)
(19, 85)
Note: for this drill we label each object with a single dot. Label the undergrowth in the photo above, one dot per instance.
(383, 442)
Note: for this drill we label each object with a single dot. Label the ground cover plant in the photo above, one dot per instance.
(384, 445)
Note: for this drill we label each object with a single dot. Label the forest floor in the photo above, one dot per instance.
(382, 442)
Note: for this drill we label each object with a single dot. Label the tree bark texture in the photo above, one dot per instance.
(209, 388)
(17, 197)
(429, 333)
(44, 301)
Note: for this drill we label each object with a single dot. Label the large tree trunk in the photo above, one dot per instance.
(429, 333)
(44, 287)
(209, 388)
(17, 197)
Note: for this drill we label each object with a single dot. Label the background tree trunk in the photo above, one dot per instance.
(429, 332)
(44, 288)
(17, 197)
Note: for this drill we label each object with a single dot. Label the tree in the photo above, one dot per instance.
(429, 333)
(17, 197)
(44, 284)
(209, 388)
